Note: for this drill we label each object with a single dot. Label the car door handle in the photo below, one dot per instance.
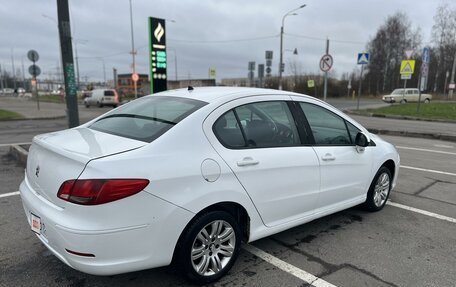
(328, 157)
(247, 161)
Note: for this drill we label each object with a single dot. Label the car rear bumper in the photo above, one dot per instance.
(140, 245)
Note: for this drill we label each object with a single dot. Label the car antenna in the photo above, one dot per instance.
(190, 88)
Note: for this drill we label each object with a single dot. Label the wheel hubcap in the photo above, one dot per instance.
(381, 190)
(213, 248)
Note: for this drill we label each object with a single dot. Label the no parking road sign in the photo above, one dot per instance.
(326, 62)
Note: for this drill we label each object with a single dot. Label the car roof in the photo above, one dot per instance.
(214, 94)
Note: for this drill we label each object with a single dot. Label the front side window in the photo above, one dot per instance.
(147, 118)
(257, 125)
(353, 131)
(327, 127)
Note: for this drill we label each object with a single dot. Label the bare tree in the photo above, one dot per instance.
(296, 71)
(444, 38)
(387, 50)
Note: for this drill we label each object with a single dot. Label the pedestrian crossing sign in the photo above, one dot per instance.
(407, 67)
(363, 58)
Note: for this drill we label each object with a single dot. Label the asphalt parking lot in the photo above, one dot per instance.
(412, 242)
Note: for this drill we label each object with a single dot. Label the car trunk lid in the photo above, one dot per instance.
(56, 157)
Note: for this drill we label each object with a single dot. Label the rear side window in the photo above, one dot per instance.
(109, 93)
(227, 130)
(257, 125)
(147, 118)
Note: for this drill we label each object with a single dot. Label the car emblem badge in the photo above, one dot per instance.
(37, 170)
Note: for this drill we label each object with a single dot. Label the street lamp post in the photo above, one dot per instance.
(453, 71)
(104, 69)
(60, 55)
(175, 60)
(76, 42)
(289, 13)
(133, 52)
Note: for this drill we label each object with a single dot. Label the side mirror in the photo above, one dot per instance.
(361, 140)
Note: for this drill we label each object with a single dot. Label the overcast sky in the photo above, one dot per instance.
(222, 34)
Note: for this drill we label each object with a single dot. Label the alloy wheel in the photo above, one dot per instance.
(213, 248)
(382, 187)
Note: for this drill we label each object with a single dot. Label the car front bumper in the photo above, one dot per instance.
(388, 100)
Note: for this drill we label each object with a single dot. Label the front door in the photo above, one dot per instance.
(344, 171)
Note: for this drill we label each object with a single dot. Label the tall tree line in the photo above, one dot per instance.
(387, 49)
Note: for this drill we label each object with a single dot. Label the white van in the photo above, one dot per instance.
(102, 97)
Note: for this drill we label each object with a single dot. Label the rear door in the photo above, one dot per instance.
(108, 96)
(258, 139)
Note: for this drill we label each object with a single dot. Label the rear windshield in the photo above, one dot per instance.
(109, 93)
(147, 118)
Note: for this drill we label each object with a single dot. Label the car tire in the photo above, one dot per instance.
(403, 101)
(100, 105)
(87, 105)
(427, 101)
(209, 247)
(379, 190)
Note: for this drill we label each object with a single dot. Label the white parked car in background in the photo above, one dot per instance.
(405, 96)
(101, 98)
(185, 176)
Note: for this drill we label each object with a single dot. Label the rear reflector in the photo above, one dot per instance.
(79, 253)
(99, 191)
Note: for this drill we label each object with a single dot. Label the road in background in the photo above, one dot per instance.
(25, 130)
(393, 247)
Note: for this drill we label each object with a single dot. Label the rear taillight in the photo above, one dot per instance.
(99, 191)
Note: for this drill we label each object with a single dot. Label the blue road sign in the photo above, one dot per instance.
(363, 58)
(426, 55)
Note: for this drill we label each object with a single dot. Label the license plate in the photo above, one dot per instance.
(35, 223)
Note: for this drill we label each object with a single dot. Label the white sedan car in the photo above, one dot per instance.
(406, 95)
(185, 176)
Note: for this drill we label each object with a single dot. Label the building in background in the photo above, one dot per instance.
(172, 85)
(125, 85)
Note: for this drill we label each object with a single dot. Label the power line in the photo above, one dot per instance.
(324, 39)
(223, 41)
(106, 56)
(191, 42)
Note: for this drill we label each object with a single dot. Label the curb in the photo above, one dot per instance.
(19, 153)
(396, 117)
(34, 119)
(450, 138)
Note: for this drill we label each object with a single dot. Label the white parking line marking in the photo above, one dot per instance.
(299, 273)
(2, 145)
(427, 150)
(424, 212)
(9, 194)
(444, 145)
(428, 170)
